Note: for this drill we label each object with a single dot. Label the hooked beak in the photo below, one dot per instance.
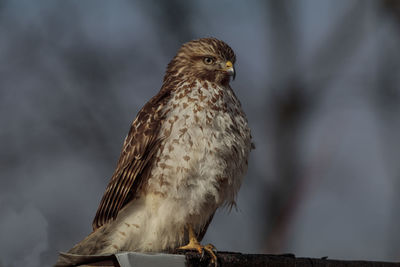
(230, 69)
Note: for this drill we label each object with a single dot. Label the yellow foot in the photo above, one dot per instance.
(195, 245)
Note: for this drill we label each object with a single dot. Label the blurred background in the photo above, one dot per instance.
(319, 81)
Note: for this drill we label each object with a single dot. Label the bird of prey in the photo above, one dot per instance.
(185, 156)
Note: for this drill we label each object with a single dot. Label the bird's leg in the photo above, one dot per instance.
(194, 244)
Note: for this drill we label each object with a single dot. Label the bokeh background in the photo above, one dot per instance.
(319, 81)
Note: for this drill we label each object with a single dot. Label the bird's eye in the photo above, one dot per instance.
(208, 60)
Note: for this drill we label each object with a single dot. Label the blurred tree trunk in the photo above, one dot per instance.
(386, 96)
(293, 100)
(287, 106)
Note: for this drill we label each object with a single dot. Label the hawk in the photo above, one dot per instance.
(184, 157)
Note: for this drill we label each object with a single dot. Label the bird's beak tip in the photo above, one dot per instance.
(231, 71)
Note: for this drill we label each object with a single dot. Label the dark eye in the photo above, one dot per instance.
(208, 60)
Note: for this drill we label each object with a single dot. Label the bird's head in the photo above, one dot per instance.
(206, 59)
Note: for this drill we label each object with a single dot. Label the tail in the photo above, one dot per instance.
(94, 247)
(67, 259)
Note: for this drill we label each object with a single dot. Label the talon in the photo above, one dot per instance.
(213, 248)
(202, 254)
(195, 245)
(210, 249)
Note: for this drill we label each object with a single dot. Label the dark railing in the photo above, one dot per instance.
(230, 259)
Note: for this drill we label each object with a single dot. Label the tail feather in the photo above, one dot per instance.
(68, 259)
(92, 248)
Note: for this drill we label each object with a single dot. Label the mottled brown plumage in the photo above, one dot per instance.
(138, 149)
(141, 142)
(184, 156)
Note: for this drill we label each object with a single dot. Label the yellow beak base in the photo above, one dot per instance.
(230, 69)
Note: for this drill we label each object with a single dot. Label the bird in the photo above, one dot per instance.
(184, 157)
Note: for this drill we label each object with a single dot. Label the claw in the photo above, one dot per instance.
(202, 255)
(195, 245)
(210, 249)
(213, 248)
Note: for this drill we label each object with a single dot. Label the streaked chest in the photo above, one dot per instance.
(206, 140)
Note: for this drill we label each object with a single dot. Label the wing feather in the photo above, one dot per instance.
(139, 147)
